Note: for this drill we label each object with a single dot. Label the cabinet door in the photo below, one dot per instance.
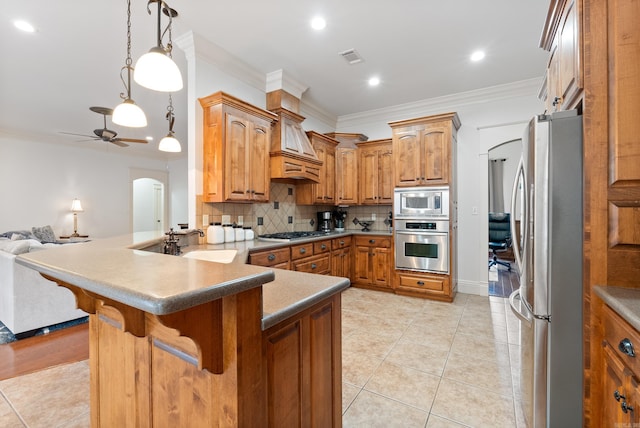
(362, 265)
(368, 177)
(236, 171)
(406, 147)
(346, 176)
(435, 157)
(381, 266)
(341, 262)
(258, 170)
(614, 389)
(330, 176)
(569, 72)
(385, 177)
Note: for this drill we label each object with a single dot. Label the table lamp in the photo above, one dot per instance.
(76, 207)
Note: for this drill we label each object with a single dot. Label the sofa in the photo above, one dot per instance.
(27, 300)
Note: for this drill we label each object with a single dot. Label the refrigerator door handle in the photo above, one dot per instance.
(525, 317)
(523, 232)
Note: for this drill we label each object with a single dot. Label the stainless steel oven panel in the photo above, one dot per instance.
(422, 251)
(422, 225)
(420, 202)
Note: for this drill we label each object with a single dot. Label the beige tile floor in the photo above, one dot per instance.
(407, 362)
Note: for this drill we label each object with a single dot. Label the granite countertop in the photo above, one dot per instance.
(625, 301)
(118, 268)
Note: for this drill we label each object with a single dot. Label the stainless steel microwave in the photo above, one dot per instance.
(421, 202)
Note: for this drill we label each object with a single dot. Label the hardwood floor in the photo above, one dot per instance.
(507, 282)
(39, 352)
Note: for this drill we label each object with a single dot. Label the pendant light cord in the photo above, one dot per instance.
(128, 61)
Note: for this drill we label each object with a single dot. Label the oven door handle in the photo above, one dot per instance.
(422, 233)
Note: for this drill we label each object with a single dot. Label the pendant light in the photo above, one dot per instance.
(156, 69)
(128, 113)
(170, 143)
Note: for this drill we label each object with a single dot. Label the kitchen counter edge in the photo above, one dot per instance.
(624, 301)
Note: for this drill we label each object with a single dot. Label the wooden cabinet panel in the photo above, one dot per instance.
(323, 192)
(321, 367)
(341, 262)
(381, 261)
(301, 251)
(270, 258)
(406, 150)
(372, 262)
(375, 174)
(424, 284)
(346, 176)
(436, 155)
(319, 264)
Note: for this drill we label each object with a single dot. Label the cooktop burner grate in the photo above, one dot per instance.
(289, 236)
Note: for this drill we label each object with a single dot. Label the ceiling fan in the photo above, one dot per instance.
(105, 134)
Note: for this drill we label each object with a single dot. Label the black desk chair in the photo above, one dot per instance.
(499, 237)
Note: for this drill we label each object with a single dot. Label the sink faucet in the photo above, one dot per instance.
(200, 232)
(171, 244)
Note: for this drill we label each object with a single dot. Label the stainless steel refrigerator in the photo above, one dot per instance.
(548, 304)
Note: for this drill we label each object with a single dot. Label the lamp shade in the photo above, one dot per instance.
(169, 144)
(155, 70)
(76, 206)
(129, 114)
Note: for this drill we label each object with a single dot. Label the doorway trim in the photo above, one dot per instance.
(161, 176)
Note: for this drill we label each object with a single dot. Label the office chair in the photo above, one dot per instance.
(499, 237)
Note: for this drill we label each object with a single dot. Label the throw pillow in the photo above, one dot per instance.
(44, 233)
(15, 247)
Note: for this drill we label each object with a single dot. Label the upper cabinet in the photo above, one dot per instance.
(563, 83)
(324, 191)
(236, 143)
(346, 176)
(424, 150)
(375, 166)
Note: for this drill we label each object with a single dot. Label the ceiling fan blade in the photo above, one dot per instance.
(132, 140)
(117, 142)
(80, 135)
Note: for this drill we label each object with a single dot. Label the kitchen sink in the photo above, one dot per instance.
(218, 256)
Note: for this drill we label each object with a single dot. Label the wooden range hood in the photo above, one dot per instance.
(292, 156)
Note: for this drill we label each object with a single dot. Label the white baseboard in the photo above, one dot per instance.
(473, 287)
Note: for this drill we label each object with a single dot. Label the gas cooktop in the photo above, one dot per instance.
(290, 236)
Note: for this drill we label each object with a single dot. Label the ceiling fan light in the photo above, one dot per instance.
(169, 144)
(129, 114)
(155, 70)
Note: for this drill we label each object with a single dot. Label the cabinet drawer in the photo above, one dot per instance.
(422, 282)
(373, 241)
(338, 243)
(617, 332)
(301, 250)
(270, 258)
(316, 264)
(321, 247)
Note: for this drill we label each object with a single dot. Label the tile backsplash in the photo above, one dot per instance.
(282, 214)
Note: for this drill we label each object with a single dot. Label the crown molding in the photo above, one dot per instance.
(451, 102)
(280, 79)
(308, 109)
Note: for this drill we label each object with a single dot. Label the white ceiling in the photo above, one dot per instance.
(419, 48)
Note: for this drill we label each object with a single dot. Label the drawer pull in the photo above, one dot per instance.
(323, 246)
(372, 241)
(626, 347)
(618, 396)
(313, 266)
(341, 242)
(625, 407)
(303, 250)
(271, 257)
(420, 282)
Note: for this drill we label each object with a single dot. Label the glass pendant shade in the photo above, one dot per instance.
(129, 114)
(170, 144)
(155, 70)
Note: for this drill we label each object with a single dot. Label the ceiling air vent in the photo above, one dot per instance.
(351, 56)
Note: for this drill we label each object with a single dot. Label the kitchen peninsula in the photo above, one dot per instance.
(176, 341)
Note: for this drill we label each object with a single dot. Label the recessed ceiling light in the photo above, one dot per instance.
(24, 26)
(318, 23)
(477, 56)
(374, 81)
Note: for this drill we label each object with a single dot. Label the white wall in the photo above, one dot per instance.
(39, 180)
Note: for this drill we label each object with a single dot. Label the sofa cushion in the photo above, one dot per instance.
(17, 235)
(15, 247)
(44, 233)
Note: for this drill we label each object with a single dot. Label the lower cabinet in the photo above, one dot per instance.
(420, 284)
(621, 370)
(278, 258)
(303, 358)
(341, 257)
(312, 257)
(373, 259)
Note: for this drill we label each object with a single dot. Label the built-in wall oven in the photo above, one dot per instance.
(421, 229)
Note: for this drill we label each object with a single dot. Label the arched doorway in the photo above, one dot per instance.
(149, 202)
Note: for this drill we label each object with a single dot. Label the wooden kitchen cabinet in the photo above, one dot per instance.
(323, 192)
(424, 150)
(375, 179)
(372, 262)
(300, 381)
(279, 258)
(621, 371)
(312, 257)
(341, 257)
(236, 144)
(346, 176)
(431, 285)
(563, 83)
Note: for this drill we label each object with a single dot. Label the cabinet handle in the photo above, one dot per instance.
(341, 242)
(271, 257)
(618, 396)
(625, 407)
(372, 241)
(303, 250)
(323, 247)
(420, 283)
(417, 178)
(626, 347)
(313, 265)
(556, 101)
(248, 191)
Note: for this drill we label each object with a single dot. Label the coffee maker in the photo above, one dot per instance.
(324, 221)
